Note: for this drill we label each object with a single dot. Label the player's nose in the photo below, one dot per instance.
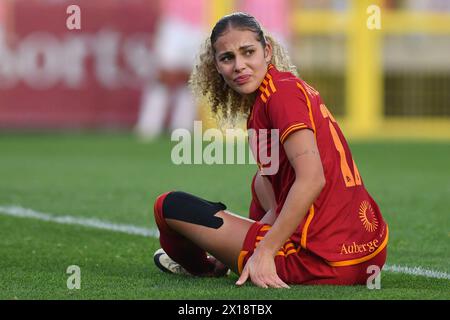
(239, 65)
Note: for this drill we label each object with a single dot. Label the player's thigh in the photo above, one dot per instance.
(224, 243)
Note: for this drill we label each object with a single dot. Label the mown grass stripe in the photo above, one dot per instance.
(17, 211)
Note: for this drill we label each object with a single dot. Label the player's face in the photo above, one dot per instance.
(241, 60)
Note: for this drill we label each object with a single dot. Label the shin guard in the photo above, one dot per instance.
(179, 248)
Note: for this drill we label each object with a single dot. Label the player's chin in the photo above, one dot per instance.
(246, 88)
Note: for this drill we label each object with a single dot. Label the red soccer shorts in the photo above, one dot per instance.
(299, 266)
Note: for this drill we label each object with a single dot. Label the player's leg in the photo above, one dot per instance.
(190, 226)
(185, 108)
(153, 110)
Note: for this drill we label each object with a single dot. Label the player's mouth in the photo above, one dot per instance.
(242, 79)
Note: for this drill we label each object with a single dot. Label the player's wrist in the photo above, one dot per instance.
(267, 248)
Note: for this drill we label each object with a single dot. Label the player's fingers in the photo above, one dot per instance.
(265, 281)
(244, 276)
(281, 283)
(273, 283)
(276, 282)
(259, 282)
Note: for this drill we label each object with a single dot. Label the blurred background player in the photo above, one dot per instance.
(167, 103)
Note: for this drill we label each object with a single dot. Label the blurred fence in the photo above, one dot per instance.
(391, 82)
(381, 83)
(396, 79)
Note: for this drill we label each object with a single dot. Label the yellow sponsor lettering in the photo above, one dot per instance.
(370, 246)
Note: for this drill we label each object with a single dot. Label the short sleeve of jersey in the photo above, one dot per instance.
(288, 110)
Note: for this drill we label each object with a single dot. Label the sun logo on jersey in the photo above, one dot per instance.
(367, 216)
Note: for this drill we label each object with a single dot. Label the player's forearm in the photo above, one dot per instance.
(299, 199)
(269, 217)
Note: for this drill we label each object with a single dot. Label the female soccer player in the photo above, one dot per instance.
(320, 225)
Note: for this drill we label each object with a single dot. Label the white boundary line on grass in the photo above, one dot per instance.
(16, 211)
(416, 271)
(20, 212)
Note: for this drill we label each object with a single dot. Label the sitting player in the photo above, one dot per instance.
(317, 222)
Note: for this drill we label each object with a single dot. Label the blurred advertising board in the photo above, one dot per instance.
(52, 77)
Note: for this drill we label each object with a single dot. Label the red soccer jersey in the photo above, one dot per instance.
(344, 225)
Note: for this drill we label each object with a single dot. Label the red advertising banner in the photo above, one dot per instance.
(54, 77)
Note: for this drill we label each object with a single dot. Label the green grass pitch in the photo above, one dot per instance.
(116, 178)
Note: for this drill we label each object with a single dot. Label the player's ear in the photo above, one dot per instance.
(216, 65)
(214, 58)
(218, 70)
(268, 52)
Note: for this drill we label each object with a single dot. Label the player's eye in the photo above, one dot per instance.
(226, 58)
(249, 52)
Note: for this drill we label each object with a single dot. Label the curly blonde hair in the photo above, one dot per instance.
(205, 81)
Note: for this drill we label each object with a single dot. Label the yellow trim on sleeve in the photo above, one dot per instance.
(292, 128)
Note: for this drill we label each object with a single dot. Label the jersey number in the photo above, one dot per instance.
(349, 179)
